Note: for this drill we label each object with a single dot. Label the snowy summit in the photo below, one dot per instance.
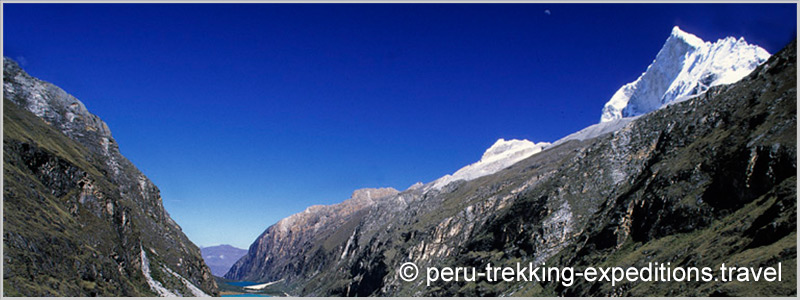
(685, 66)
(501, 155)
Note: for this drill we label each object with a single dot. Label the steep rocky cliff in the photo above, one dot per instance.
(79, 219)
(701, 182)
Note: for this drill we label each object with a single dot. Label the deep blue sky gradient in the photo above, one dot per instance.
(244, 114)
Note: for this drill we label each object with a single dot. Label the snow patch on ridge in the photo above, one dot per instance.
(157, 287)
(501, 155)
(197, 292)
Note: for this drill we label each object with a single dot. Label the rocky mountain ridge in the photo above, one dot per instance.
(667, 184)
(79, 218)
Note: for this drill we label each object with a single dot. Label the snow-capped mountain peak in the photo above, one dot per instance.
(502, 154)
(688, 38)
(685, 66)
(502, 149)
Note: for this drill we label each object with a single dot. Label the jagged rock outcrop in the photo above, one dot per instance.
(79, 219)
(708, 180)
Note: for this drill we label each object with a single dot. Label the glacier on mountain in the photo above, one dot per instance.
(685, 66)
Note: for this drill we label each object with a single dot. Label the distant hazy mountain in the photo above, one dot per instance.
(79, 219)
(221, 258)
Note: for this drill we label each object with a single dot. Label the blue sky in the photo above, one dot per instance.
(245, 114)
